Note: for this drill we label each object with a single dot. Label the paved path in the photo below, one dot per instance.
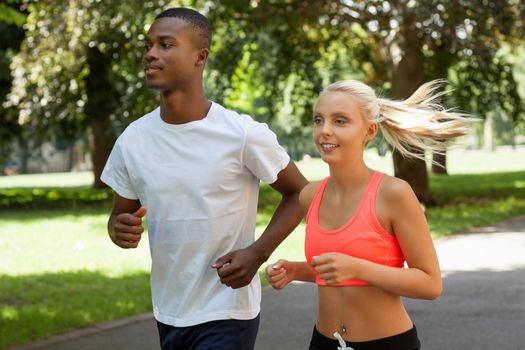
(482, 306)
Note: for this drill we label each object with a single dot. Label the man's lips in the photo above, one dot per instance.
(151, 69)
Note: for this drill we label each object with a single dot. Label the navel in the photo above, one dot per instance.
(343, 328)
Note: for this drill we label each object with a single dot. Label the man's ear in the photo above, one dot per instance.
(202, 57)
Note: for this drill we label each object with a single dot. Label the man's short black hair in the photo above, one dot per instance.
(199, 22)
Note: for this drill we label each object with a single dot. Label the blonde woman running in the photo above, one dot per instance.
(363, 225)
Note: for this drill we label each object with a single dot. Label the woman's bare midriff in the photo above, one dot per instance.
(360, 313)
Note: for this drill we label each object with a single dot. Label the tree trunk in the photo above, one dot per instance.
(70, 155)
(439, 164)
(413, 171)
(488, 133)
(407, 76)
(101, 103)
(100, 147)
(25, 153)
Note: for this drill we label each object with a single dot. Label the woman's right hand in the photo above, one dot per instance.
(279, 274)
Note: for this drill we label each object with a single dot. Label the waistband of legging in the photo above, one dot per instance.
(403, 341)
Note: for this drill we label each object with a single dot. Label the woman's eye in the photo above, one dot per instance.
(166, 46)
(147, 47)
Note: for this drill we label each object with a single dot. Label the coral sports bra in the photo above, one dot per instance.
(362, 236)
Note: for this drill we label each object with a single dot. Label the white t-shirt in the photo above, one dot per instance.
(200, 184)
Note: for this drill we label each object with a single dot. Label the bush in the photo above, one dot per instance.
(46, 198)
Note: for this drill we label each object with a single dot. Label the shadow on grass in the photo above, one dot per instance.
(38, 306)
(446, 220)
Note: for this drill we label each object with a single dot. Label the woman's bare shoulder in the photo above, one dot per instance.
(308, 193)
(393, 189)
(395, 200)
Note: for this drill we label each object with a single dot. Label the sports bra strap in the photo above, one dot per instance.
(374, 182)
(316, 201)
(368, 198)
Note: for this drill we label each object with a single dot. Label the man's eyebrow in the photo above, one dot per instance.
(161, 37)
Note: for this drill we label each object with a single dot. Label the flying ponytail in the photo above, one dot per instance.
(417, 122)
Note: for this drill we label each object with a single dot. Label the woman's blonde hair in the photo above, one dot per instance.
(419, 121)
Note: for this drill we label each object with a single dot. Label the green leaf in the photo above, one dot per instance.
(11, 16)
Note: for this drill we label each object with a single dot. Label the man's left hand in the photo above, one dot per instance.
(237, 268)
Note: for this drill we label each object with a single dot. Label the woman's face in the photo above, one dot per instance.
(340, 130)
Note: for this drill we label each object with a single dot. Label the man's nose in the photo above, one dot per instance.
(151, 54)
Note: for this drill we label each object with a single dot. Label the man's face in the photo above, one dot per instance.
(171, 58)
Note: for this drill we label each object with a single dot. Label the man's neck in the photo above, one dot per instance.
(181, 108)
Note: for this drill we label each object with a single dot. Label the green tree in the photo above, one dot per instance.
(406, 43)
(10, 13)
(80, 69)
(276, 81)
(11, 19)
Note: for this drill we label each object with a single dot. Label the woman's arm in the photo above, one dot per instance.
(283, 272)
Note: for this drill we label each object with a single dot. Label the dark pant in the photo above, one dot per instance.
(214, 335)
(405, 341)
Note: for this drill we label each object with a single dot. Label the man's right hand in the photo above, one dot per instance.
(127, 229)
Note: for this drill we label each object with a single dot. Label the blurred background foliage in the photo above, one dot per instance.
(71, 70)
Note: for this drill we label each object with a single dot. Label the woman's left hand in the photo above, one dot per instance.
(335, 268)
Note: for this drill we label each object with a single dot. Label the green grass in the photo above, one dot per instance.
(73, 179)
(60, 271)
(36, 306)
(468, 188)
(63, 241)
(503, 159)
(444, 221)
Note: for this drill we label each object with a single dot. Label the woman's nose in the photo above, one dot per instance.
(326, 128)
